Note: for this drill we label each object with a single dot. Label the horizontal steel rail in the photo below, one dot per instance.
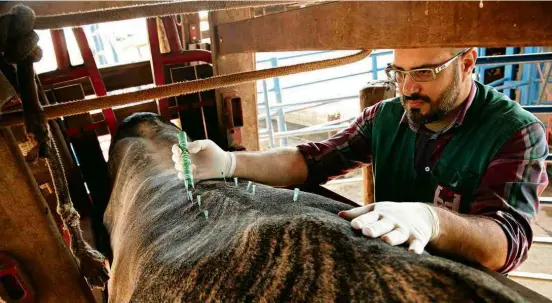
(493, 61)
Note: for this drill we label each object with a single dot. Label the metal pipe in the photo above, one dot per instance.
(513, 59)
(268, 117)
(301, 132)
(281, 117)
(309, 104)
(545, 83)
(299, 108)
(330, 100)
(539, 109)
(326, 80)
(379, 53)
(318, 126)
(542, 240)
(511, 85)
(545, 200)
(497, 82)
(530, 275)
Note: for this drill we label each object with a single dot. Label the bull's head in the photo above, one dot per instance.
(143, 133)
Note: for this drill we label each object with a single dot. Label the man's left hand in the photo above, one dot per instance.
(396, 223)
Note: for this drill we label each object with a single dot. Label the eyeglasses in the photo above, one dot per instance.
(420, 74)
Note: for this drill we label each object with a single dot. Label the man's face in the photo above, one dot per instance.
(428, 102)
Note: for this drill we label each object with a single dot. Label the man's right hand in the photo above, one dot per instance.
(208, 160)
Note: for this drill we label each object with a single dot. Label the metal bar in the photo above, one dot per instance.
(281, 117)
(542, 240)
(526, 76)
(377, 54)
(539, 109)
(498, 82)
(301, 132)
(513, 59)
(268, 117)
(511, 85)
(157, 64)
(95, 77)
(374, 69)
(325, 101)
(169, 23)
(307, 104)
(508, 72)
(326, 80)
(481, 69)
(60, 49)
(531, 275)
(545, 83)
(546, 200)
(344, 120)
(318, 126)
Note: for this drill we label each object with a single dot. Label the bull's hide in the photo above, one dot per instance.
(261, 247)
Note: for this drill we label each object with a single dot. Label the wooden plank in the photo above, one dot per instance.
(370, 95)
(392, 24)
(29, 233)
(227, 64)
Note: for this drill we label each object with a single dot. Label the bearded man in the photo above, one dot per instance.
(458, 166)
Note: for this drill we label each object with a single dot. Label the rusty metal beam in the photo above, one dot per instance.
(393, 24)
(29, 233)
(44, 8)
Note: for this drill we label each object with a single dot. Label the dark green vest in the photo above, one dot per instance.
(490, 121)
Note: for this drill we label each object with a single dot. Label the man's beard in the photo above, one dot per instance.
(438, 109)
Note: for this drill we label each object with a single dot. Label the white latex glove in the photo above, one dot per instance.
(396, 223)
(208, 160)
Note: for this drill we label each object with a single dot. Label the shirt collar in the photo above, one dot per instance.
(458, 119)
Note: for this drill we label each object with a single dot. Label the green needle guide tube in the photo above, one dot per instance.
(186, 162)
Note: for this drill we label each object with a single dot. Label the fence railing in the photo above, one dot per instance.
(527, 85)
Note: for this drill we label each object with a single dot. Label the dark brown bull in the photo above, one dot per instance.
(261, 247)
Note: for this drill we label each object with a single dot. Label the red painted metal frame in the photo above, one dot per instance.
(65, 72)
(176, 56)
(9, 267)
(95, 77)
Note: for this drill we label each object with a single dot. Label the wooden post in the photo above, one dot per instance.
(371, 94)
(231, 64)
(29, 233)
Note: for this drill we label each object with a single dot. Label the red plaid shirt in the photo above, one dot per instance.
(509, 189)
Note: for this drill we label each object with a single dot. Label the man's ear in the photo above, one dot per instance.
(467, 63)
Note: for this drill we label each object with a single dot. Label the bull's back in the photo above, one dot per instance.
(265, 247)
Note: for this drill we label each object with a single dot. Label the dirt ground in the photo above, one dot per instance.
(539, 259)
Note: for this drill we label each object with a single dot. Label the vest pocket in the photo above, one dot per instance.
(454, 187)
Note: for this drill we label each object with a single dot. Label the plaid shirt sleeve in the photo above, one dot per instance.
(348, 149)
(510, 189)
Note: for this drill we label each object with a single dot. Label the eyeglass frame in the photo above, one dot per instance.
(435, 70)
